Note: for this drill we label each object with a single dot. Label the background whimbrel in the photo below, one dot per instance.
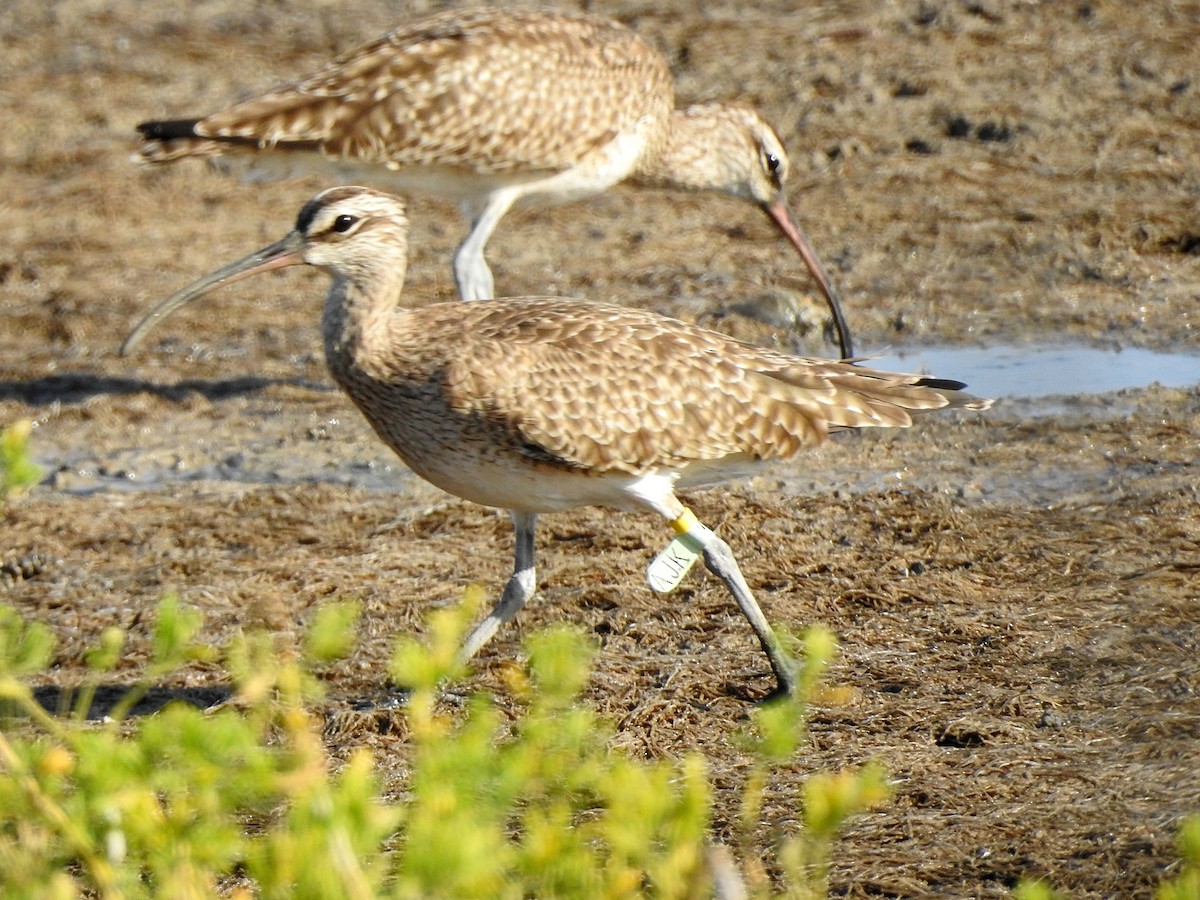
(537, 405)
(494, 108)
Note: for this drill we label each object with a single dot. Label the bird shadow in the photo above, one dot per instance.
(78, 387)
(60, 701)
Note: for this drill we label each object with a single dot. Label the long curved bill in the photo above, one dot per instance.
(782, 216)
(285, 252)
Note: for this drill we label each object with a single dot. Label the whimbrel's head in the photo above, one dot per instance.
(349, 232)
(733, 150)
(736, 152)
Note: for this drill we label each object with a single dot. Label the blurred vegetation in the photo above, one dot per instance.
(17, 470)
(1185, 885)
(244, 800)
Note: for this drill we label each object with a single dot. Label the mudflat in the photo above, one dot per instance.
(1015, 592)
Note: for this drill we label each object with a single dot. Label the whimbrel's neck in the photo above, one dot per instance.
(695, 153)
(360, 314)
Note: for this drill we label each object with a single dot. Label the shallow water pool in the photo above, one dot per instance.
(1015, 371)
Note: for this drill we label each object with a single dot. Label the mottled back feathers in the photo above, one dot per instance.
(486, 90)
(614, 389)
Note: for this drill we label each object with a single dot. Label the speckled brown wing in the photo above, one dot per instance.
(661, 393)
(462, 88)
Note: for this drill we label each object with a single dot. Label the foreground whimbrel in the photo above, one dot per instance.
(494, 108)
(537, 405)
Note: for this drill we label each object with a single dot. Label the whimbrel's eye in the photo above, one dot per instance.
(775, 167)
(342, 224)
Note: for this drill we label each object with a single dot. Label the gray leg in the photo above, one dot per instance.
(719, 559)
(519, 589)
(471, 272)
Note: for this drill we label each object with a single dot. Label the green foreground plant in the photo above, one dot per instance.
(244, 799)
(1186, 884)
(17, 469)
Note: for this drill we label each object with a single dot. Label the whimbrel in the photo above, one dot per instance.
(538, 405)
(494, 108)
